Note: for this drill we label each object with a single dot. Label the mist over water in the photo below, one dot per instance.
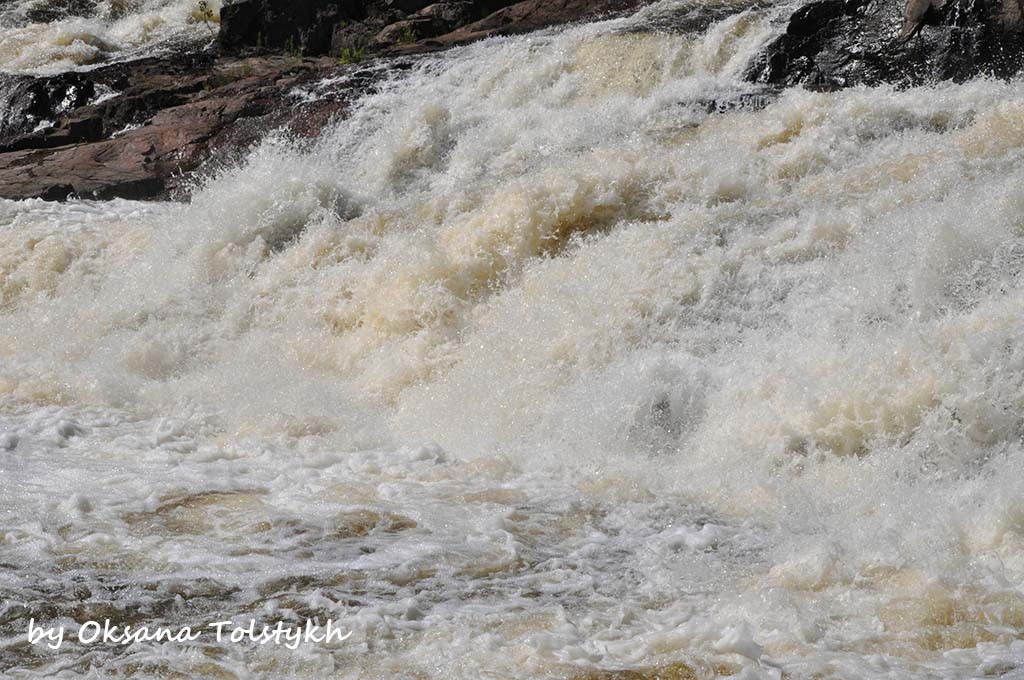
(532, 367)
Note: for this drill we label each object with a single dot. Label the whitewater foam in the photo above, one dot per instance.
(112, 30)
(534, 366)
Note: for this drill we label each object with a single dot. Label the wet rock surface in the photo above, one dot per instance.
(162, 122)
(830, 44)
(27, 103)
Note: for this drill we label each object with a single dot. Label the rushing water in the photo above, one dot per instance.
(533, 367)
(96, 31)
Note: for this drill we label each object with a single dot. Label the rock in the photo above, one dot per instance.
(359, 36)
(9, 441)
(915, 15)
(829, 44)
(176, 116)
(405, 32)
(388, 24)
(520, 17)
(452, 14)
(1009, 17)
(444, 17)
(351, 28)
(295, 26)
(142, 88)
(52, 10)
(407, 6)
(431, 21)
(746, 101)
(27, 102)
(532, 15)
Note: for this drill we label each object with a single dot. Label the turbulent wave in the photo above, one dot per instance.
(534, 366)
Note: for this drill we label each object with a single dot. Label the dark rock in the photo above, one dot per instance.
(407, 6)
(406, 31)
(389, 24)
(58, 192)
(433, 20)
(829, 44)
(360, 27)
(451, 14)
(519, 17)
(295, 26)
(356, 37)
(26, 102)
(532, 15)
(401, 23)
(51, 10)
(747, 101)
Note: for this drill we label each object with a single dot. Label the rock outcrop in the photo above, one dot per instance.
(27, 103)
(517, 18)
(355, 29)
(297, 26)
(163, 120)
(408, 24)
(830, 44)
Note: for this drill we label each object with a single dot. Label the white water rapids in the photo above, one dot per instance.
(531, 368)
(102, 31)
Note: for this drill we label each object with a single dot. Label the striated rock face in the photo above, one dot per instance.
(830, 44)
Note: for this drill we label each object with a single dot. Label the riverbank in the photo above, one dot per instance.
(147, 128)
(150, 128)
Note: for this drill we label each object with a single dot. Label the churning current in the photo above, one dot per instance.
(534, 368)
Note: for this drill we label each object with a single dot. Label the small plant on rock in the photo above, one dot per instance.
(292, 51)
(205, 14)
(351, 55)
(407, 36)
